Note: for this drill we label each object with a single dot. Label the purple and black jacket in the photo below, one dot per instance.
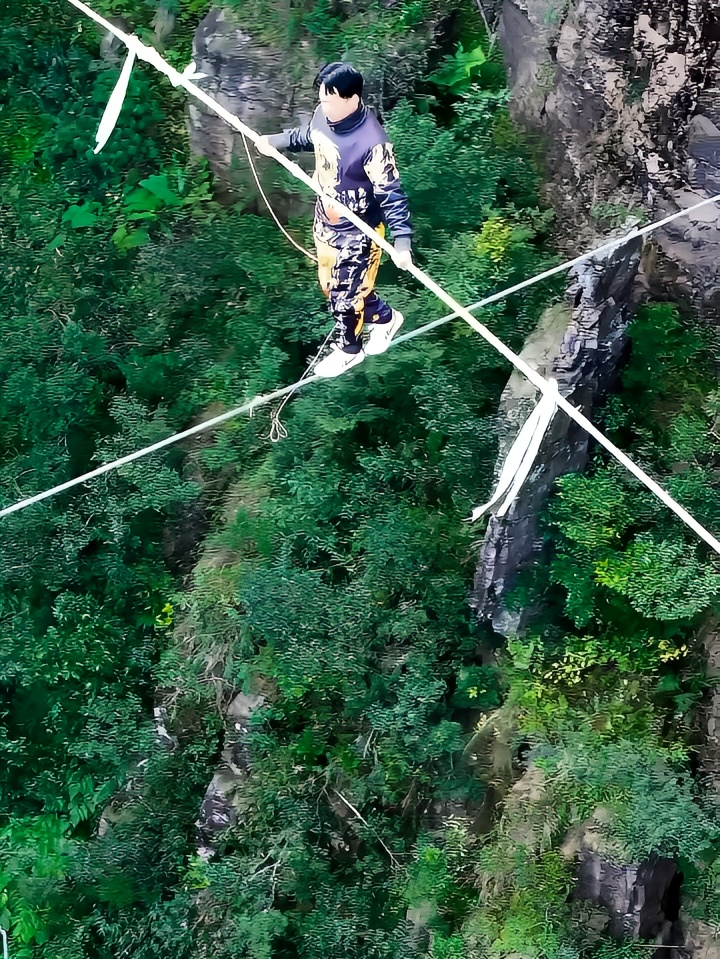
(355, 164)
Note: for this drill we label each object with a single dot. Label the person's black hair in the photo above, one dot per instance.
(340, 78)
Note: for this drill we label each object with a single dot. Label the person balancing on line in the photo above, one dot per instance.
(354, 164)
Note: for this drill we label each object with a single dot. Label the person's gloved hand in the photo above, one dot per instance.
(403, 254)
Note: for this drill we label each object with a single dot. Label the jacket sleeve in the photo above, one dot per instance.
(296, 141)
(382, 172)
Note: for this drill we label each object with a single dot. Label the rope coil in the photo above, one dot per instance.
(277, 429)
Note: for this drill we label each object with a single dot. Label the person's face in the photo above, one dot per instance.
(335, 107)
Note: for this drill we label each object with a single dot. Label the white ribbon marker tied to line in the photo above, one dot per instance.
(117, 97)
(115, 103)
(521, 457)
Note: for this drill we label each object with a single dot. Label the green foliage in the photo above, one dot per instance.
(702, 888)
(33, 854)
(330, 571)
(351, 609)
(525, 906)
(390, 43)
(477, 687)
(614, 215)
(654, 807)
(634, 582)
(662, 579)
(621, 950)
(457, 72)
(606, 686)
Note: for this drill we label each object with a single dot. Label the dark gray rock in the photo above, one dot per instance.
(627, 900)
(625, 96)
(702, 941)
(222, 806)
(578, 343)
(162, 736)
(112, 48)
(624, 100)
(217, 813)
(710, 754)
(643, 901)
(261, 85)
(163, 25)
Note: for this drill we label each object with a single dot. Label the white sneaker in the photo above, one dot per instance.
(337, 361)
(382, 333)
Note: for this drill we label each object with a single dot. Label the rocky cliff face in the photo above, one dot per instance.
(577, 343)
(260, 84)
(625, 94)
(623, 98)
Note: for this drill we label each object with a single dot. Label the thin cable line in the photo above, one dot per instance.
(248, 407)
(264, 399)
(277, 428)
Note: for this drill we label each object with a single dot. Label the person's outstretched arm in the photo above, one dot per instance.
(382, 172)
(294, 141)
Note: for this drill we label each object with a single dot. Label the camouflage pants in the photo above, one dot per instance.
(347, 269)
